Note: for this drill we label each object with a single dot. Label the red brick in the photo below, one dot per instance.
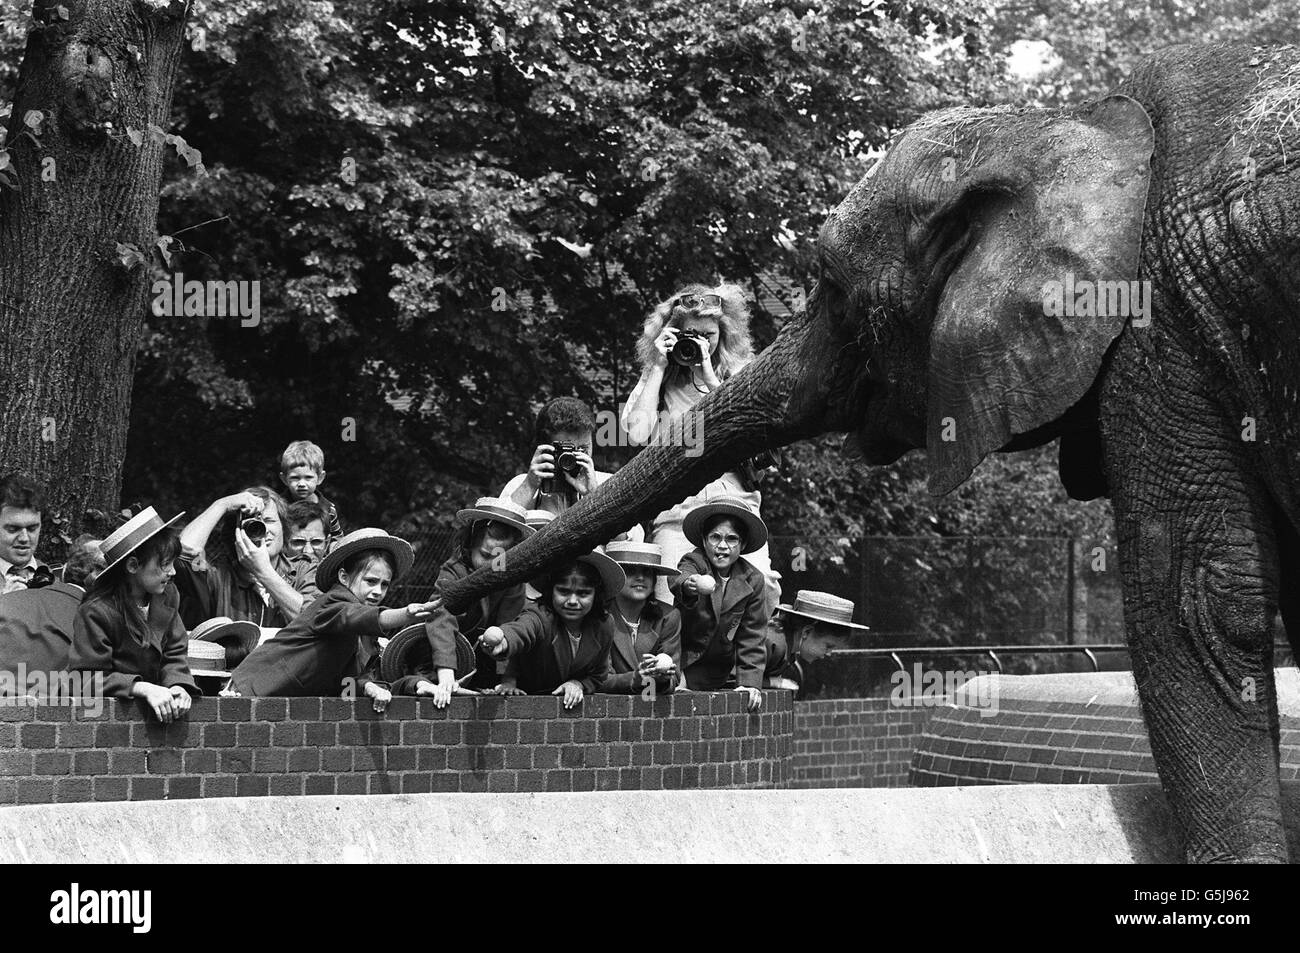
(559, 780)
(253, 735)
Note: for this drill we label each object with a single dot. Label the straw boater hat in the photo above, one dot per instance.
(612, 577)
(131, 535)
(497, 510)
(645, 555)
(207, 659)
(356, 541)
(237, 639)
(409, 649)
(823, 607)
(734, 507)
(536, 519)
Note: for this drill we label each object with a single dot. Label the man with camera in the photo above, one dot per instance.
(561, 471)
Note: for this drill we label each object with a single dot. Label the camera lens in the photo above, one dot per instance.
(254, 528)
(685, 352)
(568, 462)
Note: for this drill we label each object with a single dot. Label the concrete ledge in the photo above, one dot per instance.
(1018, 824)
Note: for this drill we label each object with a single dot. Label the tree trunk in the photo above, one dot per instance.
(71, 312)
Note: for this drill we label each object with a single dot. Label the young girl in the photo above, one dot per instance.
(487, 529)
(647, 632)
(315, 652)
(722, 600)
(561, 647)
(129, 625)
(669, 389)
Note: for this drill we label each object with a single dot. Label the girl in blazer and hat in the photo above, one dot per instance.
(487, 529)
(723, 600)
(647, 632)
(129, 625)
(315, 652)
(562, 645)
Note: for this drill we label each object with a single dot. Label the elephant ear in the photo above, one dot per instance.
(1052, 200)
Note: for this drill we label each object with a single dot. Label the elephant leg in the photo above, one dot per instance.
(1289, 592)
(1199, 563)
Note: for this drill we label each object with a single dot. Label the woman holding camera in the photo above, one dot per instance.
(691, 343)
(246, 574)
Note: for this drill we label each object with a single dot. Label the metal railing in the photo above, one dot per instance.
(992, 651)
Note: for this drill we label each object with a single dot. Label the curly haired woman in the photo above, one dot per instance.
(716, 321)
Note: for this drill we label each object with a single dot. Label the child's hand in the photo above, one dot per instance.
(381, 695)
(493, 641)
(542, 466)
(657, 665)
(508, 688)
(182, 700)
(755, 697)
(572, 692)
(692, 585)
(705, 585)
(441, 693)
(157, 698)
(422, 610)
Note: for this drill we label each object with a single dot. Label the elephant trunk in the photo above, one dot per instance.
(778, 398)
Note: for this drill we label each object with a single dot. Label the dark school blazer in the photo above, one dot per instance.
(36, 627)
(313, 653)
(116, 639)
(496, 608)
(735, 613)
(542, 660)
(660, 631)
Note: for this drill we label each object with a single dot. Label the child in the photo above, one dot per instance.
(318, 650)
(647, 632)
(306, 538)
(562, 646)
(488, 528)
(302, 471)
(722, 599)
(129, 626)
(816, 625)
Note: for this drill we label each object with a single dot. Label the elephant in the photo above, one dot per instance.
(1123, 276)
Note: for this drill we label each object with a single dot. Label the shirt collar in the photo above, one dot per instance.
(5, 565)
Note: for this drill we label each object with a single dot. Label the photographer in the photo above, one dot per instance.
(247, 575)
(690, 344)
(561, 471)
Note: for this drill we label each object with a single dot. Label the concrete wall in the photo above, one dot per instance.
(276, 746)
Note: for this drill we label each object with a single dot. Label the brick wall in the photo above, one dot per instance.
(274, 746)
(1063, 729)
(854, 742)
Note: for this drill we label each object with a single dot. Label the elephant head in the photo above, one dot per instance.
(928, 326)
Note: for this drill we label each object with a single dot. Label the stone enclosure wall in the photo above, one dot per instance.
(279, 746)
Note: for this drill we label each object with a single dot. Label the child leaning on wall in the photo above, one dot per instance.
(318, 650)
(561, 645)
(129, 625)
(723, 600)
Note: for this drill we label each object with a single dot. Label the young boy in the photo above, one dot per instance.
(562, 646)
(306, 538)
(722, 599)
(315, 652)
(816, 625)
(129, 626)
(302, 471)
(647, 632)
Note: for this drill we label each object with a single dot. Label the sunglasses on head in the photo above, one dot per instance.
(698, 301)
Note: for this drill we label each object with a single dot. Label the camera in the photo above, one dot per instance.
(566, 460)
(254, 528)
(685, 352)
